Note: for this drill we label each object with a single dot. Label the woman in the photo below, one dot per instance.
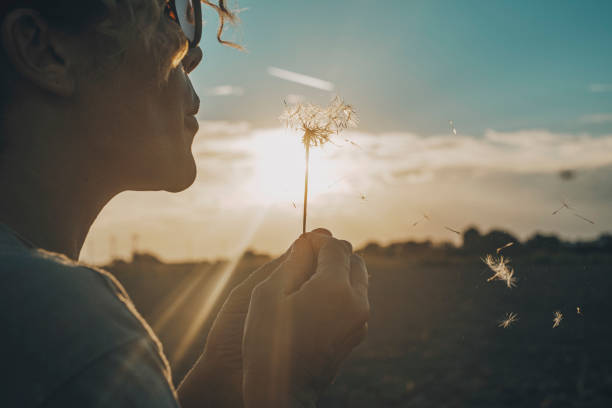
(96, 100)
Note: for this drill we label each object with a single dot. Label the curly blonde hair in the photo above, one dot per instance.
(113, 23)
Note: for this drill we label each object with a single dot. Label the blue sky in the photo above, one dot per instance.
(413, 65)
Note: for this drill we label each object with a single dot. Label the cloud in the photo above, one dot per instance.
(596, 118)
(210, 129)
(226, 90)
(301, 79)
(500, 179)
(600, 88)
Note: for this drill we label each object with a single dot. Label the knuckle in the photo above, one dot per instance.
(347, 245)
(358, 260)
(361, 310)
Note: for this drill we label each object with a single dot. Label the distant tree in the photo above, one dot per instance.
(413, 247)
(372, 248)
(545, 242)
(145, 258)
(497, 238)
(604, 242)
(472, 240)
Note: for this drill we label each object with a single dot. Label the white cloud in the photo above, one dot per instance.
(597, 118)
(599, 88)
(301, 79)
(226, 90)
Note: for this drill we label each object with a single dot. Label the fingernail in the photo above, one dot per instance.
(322, 231)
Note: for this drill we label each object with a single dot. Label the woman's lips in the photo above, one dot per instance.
(192, 124)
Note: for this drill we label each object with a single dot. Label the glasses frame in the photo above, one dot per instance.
(197, 8)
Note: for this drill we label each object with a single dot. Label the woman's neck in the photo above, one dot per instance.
(53, 205)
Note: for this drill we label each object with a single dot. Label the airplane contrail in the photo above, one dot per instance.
(301, 79)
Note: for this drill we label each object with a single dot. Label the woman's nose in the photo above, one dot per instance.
(192, 59)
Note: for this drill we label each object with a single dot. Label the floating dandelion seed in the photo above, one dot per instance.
(510, 318)
(425, 218)
(509, 244)
(452, 230)
(500, 269)
(558, 316)
(337, 181)
(318, 124)
(294, 206)
(451, 126)
(564, 205)
(584, 218)
(353, 143)
(578, 311)
(363, 197)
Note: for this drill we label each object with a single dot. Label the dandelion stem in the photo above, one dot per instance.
(306, 188)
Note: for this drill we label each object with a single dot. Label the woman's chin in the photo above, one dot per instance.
(172, 177)
(183, 179)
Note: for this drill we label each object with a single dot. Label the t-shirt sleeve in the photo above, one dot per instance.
(128, 376)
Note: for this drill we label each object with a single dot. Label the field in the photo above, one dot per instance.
(434, 338)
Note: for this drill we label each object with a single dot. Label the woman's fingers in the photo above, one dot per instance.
(359, 276)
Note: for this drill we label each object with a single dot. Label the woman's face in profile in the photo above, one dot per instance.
(147, 124)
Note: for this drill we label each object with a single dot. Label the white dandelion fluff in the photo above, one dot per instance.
(557, 317)
(500, 269)
(318, 124)
(508, 320)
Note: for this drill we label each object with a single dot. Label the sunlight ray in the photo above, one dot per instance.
(219, 283)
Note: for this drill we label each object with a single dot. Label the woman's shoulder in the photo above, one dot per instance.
(60, 315)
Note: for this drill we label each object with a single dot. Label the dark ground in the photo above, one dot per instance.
(434, 339)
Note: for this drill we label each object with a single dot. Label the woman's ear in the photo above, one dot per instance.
(37, 53)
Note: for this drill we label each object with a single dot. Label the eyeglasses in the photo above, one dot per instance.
(188, 15)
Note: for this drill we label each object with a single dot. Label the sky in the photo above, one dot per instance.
(527, 85)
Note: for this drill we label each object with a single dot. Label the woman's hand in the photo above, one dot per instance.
(216, 379)
(303, 321)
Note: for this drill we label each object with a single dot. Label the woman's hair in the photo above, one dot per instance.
(111, 24)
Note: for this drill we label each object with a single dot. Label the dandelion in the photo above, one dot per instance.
(318, 125)
(510, 318)
(451, 126)
(509, 244)
(557, 317)
(453, 230)
(500, 269)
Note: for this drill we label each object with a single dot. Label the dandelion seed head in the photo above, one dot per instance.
(318, 123)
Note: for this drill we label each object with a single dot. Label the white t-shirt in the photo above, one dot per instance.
(71, 337)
